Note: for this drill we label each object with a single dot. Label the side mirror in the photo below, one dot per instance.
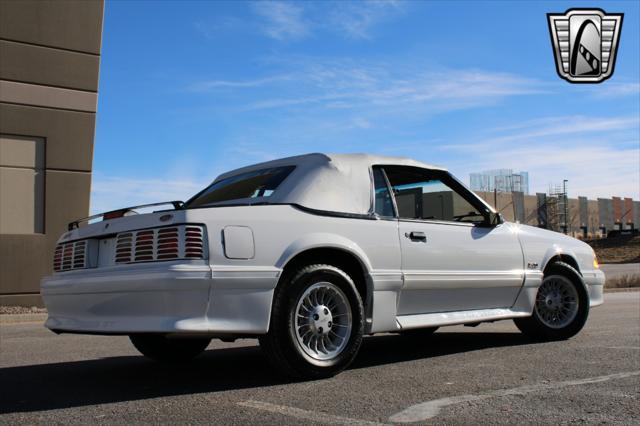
(493, 219)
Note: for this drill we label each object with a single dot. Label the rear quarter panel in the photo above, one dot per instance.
(282, 231)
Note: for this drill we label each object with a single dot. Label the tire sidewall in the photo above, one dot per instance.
(291, 294)
(571, 329)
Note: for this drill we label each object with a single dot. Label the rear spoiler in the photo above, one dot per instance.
(177, 205)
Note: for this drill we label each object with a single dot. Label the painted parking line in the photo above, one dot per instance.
(622, 347)
(301, 414)
(429, 409)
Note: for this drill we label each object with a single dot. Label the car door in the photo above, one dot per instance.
(452, 260)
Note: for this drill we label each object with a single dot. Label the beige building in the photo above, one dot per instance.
(49, 61)
(584, 218)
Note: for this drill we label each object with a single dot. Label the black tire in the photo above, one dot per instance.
(535, 326)
(419, 333)
(281, 345)
(160, 348)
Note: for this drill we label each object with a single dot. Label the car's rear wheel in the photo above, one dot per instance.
(561, 306)
(317, 323)
(161, 348)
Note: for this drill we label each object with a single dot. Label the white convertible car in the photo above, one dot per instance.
(310, 253)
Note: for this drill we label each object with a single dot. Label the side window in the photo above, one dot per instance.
(383, 202)
(424, 194)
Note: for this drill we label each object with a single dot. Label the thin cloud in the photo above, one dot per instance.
(357, 19)
(569, 125)
(455, 89)
(114, 192)
(593, 171)
(537, 130)
(204, 86)
(293, 21)
(614, 90)
(282, 20)
(556, 148)
(213, 30)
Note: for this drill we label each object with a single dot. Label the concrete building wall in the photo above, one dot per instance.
(541, 206)
(593, 219)
(517, 198)
(617, 209)
(605, 213)
(627, 213)
(582, 212)
(583, 205)
(49, 61)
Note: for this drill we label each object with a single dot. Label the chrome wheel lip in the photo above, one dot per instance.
(322, 322)
(557, 302)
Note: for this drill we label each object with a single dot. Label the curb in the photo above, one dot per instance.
(622, 290)
(22, 318)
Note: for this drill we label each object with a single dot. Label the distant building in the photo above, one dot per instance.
(502, 180)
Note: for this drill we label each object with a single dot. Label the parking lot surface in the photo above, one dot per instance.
(461, 375)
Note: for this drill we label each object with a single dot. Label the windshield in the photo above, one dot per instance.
(255, 184)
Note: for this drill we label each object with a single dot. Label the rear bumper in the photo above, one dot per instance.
(159, 298)
(594, 280)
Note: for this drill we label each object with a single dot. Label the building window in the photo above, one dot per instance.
(21, 185)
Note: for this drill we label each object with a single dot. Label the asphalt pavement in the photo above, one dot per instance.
(485, 375)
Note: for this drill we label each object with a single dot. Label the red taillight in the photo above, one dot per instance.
(166, 243)
(114, 214)
(71, 255)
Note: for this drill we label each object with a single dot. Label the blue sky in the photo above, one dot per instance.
(191, 89)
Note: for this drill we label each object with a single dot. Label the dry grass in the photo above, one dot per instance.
(624, 281)
(623, 249)
(12, 310)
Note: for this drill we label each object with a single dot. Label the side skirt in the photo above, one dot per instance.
(439, 319)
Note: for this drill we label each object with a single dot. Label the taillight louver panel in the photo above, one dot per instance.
(143, 250)
(72, 255)
(79, 254)
(193, 246)
(167, 243)
(123, 247)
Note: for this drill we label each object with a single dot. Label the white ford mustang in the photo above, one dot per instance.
(309, 254)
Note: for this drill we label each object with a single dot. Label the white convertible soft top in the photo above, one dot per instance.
(331, 182)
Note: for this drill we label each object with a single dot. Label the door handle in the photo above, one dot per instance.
(416, 236)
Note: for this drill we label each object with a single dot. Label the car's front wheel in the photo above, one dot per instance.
(161, 348)
(561, 306)
(317, 323)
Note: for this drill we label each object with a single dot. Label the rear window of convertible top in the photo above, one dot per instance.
(255, 184)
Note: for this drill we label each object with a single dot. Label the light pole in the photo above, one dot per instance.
(566, 206)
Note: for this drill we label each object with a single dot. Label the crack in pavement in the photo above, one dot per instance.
(301, 414)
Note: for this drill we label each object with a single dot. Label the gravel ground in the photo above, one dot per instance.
(488, 374)
(13, 310)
